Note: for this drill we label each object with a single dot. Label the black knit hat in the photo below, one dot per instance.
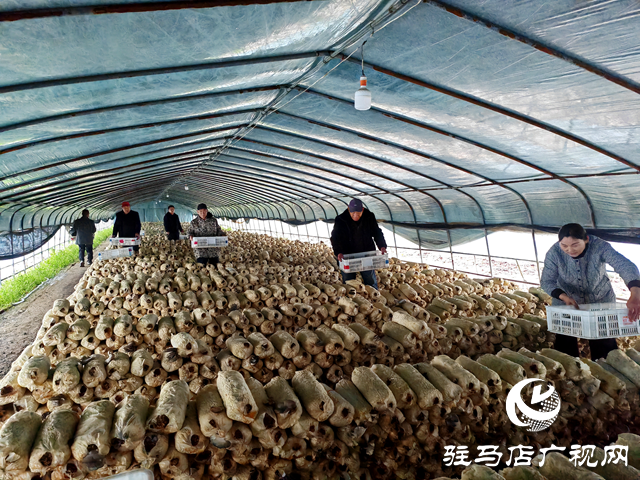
(201, 206)
(170, 206)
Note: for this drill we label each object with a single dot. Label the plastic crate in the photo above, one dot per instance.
(361, 262)
(592, 321)
(140, 474)
(115, 253)
(183, 237)
(203, 242)
(124, 241)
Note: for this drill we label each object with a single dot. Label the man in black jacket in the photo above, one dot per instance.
(355, 231)
(84, 230)
(127, 224)
(172, 225)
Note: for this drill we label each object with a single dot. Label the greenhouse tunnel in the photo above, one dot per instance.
(485, 115)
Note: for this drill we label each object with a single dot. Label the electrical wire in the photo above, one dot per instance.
(269, 110)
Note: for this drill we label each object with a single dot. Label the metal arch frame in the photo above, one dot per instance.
(103, 179)
(225, 183)
(161, 71)
(142, 126)
(495, 108)
(401, 147)
(402, 198)
(116, 198)
(355, 167)
(246, 209)
(81, 195)
(282, 201)
(227, 154)
(84, 185)
(266, 171)
(15, 15)
(440, 131)
(235, 168)
(362, 192)
(228, 187)
(98, 164)
(279, 194)
(416, 190)
(276, 171)
(130, 147)
(218, 162)
(153, 163)
(51, 210)
(239, 112)
(373, 195)
(540, 46)
(127, 106)
(451, 165)
(11, 227)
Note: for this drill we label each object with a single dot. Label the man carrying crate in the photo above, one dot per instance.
(355, 231)
(127, 224)
(205, 225)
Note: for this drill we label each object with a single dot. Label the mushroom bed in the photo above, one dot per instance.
(267, 366)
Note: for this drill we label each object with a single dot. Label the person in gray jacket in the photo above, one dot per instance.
(575, 274)
(84, 230)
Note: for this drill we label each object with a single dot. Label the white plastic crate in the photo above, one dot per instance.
(592, 321)
(115, 253)
(124, 241)
(202, 242)
(184, 237)
(140, 474)
(361, 262)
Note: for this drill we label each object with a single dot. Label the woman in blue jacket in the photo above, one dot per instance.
(575, 274)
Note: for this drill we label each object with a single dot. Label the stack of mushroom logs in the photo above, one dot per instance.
(265, 365)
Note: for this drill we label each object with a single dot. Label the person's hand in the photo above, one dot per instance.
(340, 257)
(167, 233)
(383, 250)
(568, 300)
(137, 235)
(113, 236)
(633, 304)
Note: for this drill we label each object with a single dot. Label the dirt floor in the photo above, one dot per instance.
(19, 324)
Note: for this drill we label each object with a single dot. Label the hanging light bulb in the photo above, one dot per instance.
(186, 187)
(167, 196)
(363, 95)
(362, 100)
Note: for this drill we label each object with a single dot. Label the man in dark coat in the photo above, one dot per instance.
(84, 229)
(355, 230)
(127, 224)
(172, 225)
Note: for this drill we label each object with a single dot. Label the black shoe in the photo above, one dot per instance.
(82, 264)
